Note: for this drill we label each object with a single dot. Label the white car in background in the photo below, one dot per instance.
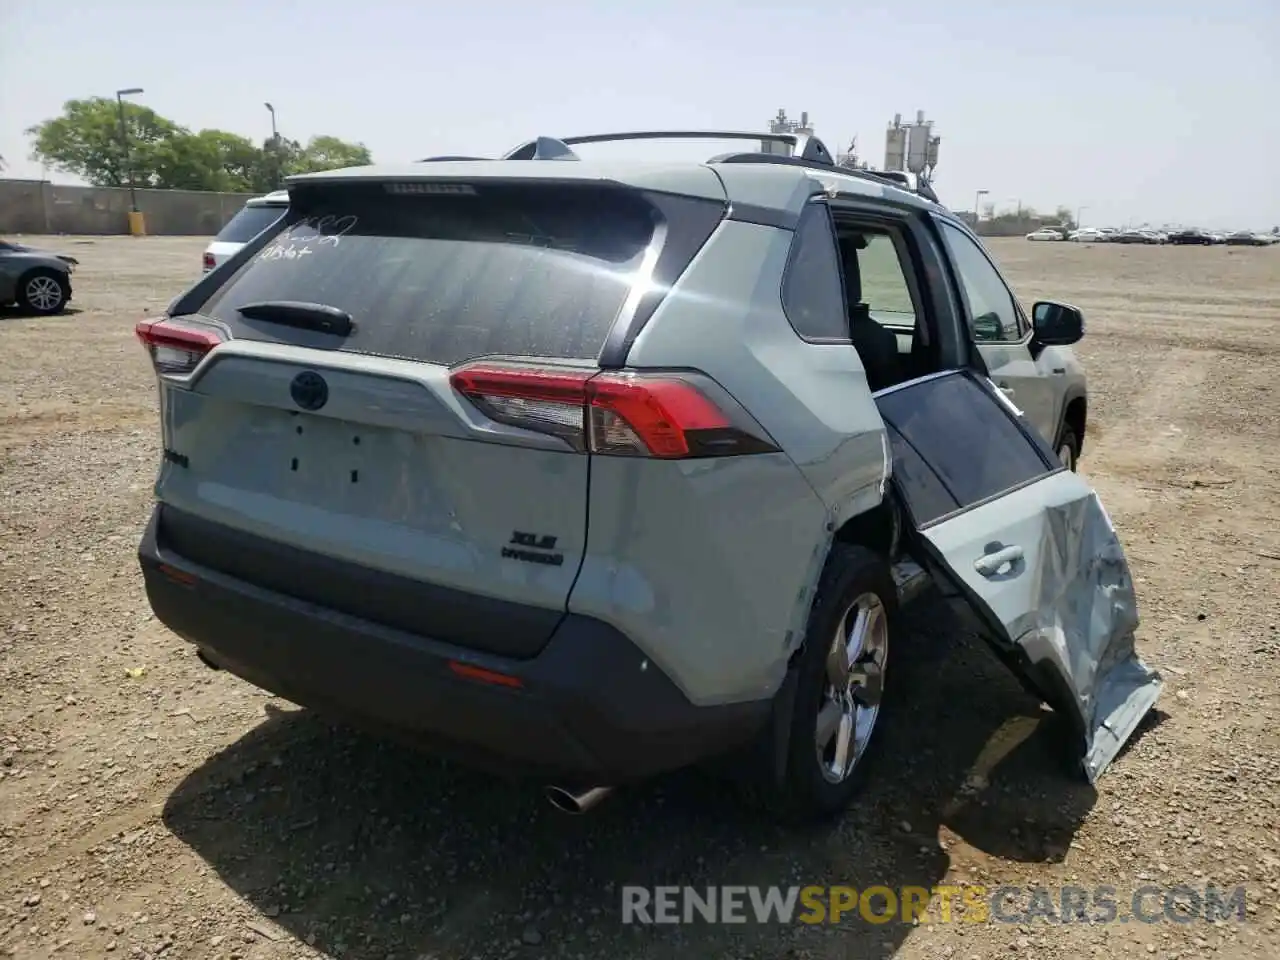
(1089, 235)
(254, 217)
(1044, 233)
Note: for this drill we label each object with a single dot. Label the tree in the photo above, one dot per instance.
(85, 141)
(329, 153)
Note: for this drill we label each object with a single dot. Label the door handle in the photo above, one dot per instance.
(990, 564)
(1059, 369)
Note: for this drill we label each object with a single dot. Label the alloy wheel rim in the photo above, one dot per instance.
(853, 687)
(44, 293)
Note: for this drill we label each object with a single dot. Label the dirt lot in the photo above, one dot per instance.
(150, 807)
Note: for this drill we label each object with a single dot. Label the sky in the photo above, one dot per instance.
(1131, 111)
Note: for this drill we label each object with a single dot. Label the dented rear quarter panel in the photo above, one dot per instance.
(710, 566)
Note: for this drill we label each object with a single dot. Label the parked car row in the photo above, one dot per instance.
(1190, 236)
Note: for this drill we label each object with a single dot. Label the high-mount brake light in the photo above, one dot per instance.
(175, 350)
(666, 416)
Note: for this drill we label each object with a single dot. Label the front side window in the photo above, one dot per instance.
(989, 306)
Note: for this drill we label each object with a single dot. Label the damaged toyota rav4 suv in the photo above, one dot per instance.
(596, 470)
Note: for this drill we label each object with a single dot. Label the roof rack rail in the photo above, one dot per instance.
(803, 147)
(759, 157)
(806, 151)
(446, 158)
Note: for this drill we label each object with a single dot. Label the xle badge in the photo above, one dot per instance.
(309, 390)
(533, 548)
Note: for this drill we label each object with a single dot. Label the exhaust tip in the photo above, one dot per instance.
(576, 804)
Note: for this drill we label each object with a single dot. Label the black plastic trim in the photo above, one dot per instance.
(591, 709)
(763, 216)
(689, 224)
(450, 615)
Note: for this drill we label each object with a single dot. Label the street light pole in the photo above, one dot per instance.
(275, 141)
(124, 142)
(1080, 212)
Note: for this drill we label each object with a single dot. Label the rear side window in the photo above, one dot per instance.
(812, 295)
(529, 270)
(248, 223)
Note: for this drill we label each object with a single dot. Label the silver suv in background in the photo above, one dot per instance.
(254, 217)
(596, 470)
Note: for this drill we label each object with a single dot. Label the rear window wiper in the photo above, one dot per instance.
(299, 313)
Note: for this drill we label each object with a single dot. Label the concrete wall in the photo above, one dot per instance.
(37, 206)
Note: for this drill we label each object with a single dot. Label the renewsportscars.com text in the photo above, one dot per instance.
(970, 903)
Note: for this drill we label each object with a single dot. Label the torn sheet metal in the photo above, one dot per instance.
(1044, 571)
(1087, 613)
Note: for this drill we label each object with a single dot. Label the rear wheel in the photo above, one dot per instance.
(43, 292)
(1068, 448)
(842, 689)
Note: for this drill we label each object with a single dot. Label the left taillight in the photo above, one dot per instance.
(209, 262)
(668, 416)
(175, 350)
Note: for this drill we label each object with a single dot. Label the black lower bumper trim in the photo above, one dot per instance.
(590, 708)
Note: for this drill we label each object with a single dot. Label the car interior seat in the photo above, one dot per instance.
(876, 346)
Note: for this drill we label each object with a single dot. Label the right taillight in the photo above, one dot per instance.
(667, 416)
(175, 350)
(209, 262)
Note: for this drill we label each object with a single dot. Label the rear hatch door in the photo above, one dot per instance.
(337, 464)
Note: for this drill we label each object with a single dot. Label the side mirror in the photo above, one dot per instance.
(987, 328)
(1057, 324)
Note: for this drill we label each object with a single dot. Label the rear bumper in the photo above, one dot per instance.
(590, 709)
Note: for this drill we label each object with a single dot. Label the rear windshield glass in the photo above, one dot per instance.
(248, 223)
(531, 270)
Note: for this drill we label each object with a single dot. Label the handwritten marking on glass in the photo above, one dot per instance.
(297, 242)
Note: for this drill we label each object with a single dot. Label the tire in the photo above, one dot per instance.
(1068, 448)
(43, 292)
(855, 578)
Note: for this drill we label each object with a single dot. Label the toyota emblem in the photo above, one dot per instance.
(309, 390)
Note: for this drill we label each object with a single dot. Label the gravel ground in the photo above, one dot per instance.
(152, 808)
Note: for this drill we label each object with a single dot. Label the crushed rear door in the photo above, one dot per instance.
(334, 462)
(1026, 551)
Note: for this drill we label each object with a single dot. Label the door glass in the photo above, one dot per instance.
(812, 296)
(988, 302)
(884, 283)
(921, 489)
(967, 438)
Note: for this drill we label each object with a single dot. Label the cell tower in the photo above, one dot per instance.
(895, 146)
(911, 148)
